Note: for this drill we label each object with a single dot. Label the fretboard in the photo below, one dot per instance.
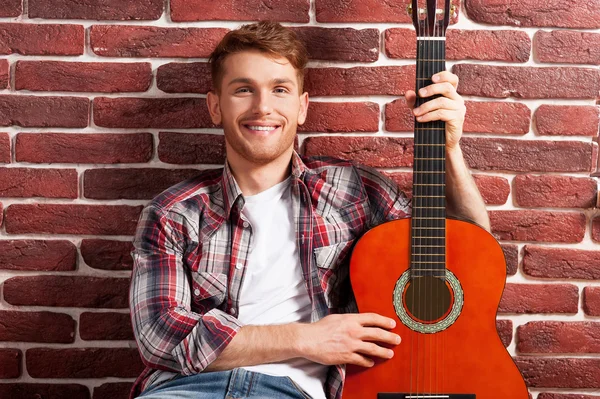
(428, 253)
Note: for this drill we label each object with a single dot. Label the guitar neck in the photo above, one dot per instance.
(429, 201)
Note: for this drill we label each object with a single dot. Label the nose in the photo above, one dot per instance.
(262, 103)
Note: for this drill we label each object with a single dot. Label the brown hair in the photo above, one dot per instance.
(266, 36)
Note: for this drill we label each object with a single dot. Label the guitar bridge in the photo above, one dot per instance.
(425, 396)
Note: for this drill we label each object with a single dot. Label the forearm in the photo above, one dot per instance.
(463, 197)
(254, 345)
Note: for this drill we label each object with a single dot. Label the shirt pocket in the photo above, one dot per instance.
(208, 290)
(333, 277)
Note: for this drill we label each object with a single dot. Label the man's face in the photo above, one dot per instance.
(259, 107)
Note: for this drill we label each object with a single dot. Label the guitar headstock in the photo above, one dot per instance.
(428, 18)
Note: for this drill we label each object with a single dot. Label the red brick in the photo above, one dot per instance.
(567, 120)
(363, 11)
(567, 47)
(341, 117)
(83, 363)
(559, 337)
(144, 183)
(561, 263)
(11, 8)
(554, 191)
(178, 77)
(505, 331)
(378, 152)
(522, 13)
(10, 363)
(527, 82)
(493, 189)
(526, 225)
(384, 80)
(43, 39)
(545, 395)
(340, 44)
(84, 148)
(591, 301)
(527, 155)
(44, 391)
(37, 327)
(117, 390)
(596, 229)
(27, 182)
(105, 326)
(487, 45)
(246, 10)
(154, 41)
(4, 75)
(106, 77)
(39, 255)
(72, 219)
(542, 372)
(398, 117)
(34, 111)
(83, 292)
(96, 9)
(107, 254)
(511, 255)
(170, 113)
(4, 148)
(539, 298)
(497, 117)
(191, 148)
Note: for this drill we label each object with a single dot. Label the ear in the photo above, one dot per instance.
(303, 108)
(212, 101)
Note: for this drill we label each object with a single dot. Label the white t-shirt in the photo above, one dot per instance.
(274, 290)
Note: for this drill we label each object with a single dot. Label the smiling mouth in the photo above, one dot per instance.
(262, 129)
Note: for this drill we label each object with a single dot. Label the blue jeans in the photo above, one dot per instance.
(232, 384)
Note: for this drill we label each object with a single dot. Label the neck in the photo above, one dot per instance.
(253, 179)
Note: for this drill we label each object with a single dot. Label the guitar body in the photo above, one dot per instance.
(468, 356)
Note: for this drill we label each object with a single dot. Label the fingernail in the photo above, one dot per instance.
(392, 323)
(390, 354)
(416, 111)
(397, 339)
(435, 78)
(422, 92)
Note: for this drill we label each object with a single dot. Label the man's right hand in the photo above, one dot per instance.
(348, 338)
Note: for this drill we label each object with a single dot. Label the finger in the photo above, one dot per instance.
(439, 115)
(379, 335)
(373, 350)
(445, 76)
(437, 103)
(445, 89)
(360, 360)
(376, 320)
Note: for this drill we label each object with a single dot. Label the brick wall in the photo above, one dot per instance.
(102, 107)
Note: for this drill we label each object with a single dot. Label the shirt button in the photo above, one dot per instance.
(232, 311)
(196, 292)
(245, 224)
(239, 266)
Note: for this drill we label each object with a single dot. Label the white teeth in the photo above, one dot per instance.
(265, 128)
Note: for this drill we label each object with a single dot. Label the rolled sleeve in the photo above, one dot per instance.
(170, 336)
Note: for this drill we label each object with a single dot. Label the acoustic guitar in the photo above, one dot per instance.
(441, 279)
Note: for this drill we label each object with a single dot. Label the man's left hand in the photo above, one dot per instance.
(449, 108)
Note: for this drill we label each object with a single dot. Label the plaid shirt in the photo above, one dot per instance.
(192, 244)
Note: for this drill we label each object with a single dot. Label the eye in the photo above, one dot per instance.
(281, 90)
(243, 90)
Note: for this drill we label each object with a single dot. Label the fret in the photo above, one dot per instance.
(423, 184)
(430, 246)
(423, 262)
(431, 171)
(415, 254)
(429, 269)
(430, 228)
(429, 128)
(430, 237)
(429, 145)
(429, 159)
(430, 59)
(419, 217)
(417, 207)
(428, 196)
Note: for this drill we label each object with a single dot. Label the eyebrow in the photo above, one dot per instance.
(250, 81)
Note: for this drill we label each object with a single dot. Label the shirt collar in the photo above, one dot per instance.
(232, 192)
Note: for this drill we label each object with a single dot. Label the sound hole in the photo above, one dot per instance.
(428, 298)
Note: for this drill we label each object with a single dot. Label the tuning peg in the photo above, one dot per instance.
(409, 9)
(453, 10)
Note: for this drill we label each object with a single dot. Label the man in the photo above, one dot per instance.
(240, 282)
